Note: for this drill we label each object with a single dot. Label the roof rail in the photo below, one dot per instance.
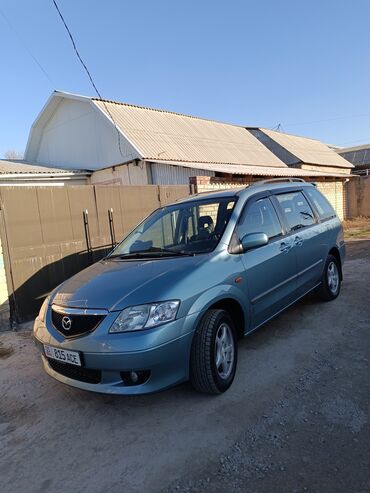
(271, 180)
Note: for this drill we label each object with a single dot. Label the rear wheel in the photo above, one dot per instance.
(214, 353)
(331, 280)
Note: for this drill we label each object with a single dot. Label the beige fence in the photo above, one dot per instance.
(358, 196)
(50, 233)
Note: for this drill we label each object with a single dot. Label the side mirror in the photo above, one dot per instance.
(253, 240)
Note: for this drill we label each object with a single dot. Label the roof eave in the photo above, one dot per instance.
(5, 176)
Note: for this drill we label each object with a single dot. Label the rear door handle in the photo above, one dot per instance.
(285, 247)
(298, 241)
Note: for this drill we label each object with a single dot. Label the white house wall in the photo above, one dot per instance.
(166, 174)
(126, 174)
(78, 136)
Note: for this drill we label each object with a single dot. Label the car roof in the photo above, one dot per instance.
(249, 190)
(211, 195)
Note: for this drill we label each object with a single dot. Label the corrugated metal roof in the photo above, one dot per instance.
(340, 150)
(309, 151)
(241, 169)
(159, 134)
(16, 167)
(359, 156)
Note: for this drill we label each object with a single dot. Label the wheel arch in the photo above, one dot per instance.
(335, 252)
(235, 310)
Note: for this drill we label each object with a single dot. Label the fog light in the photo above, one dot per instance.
(135, 377)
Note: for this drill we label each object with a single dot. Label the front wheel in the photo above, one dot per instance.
(329, 288)
(214, 353)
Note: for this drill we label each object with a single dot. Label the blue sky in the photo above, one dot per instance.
(303, 64)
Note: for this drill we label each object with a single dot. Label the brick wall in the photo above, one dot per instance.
(331, 188)
(201, 184)
(334, 192)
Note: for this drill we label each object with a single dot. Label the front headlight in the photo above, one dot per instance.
(145, 316)
(43, 308)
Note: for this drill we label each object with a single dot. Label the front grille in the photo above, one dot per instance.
(75, 372)
(78, 325)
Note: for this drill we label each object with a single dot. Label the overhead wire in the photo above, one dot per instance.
(347, 117)
(12, 28)
(88, 73)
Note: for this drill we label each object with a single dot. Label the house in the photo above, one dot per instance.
(22, 173)
(359, 156)
(157, 146)
(127, 144)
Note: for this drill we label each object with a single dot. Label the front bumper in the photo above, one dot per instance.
(164, 351)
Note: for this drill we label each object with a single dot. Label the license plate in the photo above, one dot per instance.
(71, 357)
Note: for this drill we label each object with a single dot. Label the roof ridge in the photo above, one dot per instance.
(292, 135)
(159, 110)
(361, 147)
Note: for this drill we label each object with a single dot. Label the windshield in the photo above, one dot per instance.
(180, 229)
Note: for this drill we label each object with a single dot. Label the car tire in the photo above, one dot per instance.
(214, 353)
(329, 288)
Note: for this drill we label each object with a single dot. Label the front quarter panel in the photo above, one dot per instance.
(226, 276)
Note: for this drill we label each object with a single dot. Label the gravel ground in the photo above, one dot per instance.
(296, 418)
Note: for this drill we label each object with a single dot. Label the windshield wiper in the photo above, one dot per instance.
(166, 251)
(152, 252)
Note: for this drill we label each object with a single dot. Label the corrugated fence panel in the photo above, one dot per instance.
(108, 197)
(55, 217)
(44, 235)
(171, 194)
(136, 203)
(80, 199)
(22, 216)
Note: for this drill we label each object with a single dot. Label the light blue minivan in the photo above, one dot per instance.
(169, 303)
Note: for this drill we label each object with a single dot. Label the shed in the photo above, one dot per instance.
(23, 173)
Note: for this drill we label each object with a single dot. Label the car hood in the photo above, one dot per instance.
(116, 284)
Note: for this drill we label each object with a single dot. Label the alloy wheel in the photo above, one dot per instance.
(224, 351)
(333, 277)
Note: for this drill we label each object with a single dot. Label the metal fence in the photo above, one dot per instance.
(50, 233)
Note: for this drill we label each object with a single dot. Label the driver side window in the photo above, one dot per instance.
(260, 217)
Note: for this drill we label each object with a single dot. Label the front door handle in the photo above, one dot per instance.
(298, 241)
(285, 247)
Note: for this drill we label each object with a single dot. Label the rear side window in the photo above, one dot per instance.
(260, 217)
(322, 205)
(296, 209)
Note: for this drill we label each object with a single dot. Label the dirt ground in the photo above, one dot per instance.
(296, 418)
(357, 228)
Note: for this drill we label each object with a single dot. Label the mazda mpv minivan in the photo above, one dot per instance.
(169, 303)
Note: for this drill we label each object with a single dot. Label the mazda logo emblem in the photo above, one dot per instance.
(66, 323)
